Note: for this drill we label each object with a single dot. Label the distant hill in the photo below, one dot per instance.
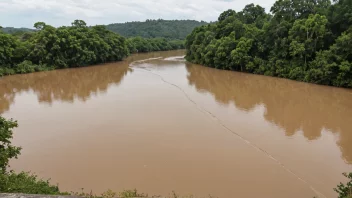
(12, 30)
(173, 29)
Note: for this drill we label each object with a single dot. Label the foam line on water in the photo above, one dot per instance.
(225, 127)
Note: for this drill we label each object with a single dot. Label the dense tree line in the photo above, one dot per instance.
(73, 46)
(170, 29)
(139, 44)
(305, 40)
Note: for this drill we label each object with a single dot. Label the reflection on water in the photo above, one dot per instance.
(163, 124)
(291, 105)
(68, 85)
(62, 85)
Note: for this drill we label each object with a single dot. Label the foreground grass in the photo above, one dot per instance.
(28, 183)
(133, 194)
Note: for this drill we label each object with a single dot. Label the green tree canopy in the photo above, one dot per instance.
(71, 46)
(307, 40)
(169, 29)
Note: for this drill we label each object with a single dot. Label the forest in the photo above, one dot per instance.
(77, 45)
(12, 30)
(170, 29)
(304, 40)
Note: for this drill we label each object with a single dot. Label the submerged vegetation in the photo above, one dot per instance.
(78, 45)
(305, 40)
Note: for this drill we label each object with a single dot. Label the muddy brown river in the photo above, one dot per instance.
(159, 124)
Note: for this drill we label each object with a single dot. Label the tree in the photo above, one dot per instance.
(226, 14)
(345, 190)
(342, 47)
(39, 25)
(251, 13)
(79, 23)
(11, 182)
(7, 150)
(340, 16)
(306, 40)
(7, 48)
(240, 56)
(73, 46)
(224, 46)
(290, 10)
(307, 35)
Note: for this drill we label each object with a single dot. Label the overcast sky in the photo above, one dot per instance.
(24, 13)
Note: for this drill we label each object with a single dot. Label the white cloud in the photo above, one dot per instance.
(24, 13)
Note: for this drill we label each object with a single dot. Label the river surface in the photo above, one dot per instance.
(161, 125)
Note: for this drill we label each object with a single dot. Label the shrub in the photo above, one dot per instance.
(26, 183)
(131, 193)
(4, 71)
(25, 67)
(345, 190)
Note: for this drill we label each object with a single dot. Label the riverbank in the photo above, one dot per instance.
(289, 120)
(18, 195)
(50, 48)
(27, 67)
(310, 46)
(125, 194)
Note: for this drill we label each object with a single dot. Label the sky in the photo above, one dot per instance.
(24, 13)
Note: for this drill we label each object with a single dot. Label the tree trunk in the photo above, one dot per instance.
(307, 34)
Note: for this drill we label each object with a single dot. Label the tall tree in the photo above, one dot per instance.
(307, 40)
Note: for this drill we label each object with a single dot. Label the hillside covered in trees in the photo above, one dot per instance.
(171, 29)
(70, 46)
(12, 30)
(305, 40)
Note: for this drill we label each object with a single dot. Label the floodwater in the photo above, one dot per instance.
(162, 124)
